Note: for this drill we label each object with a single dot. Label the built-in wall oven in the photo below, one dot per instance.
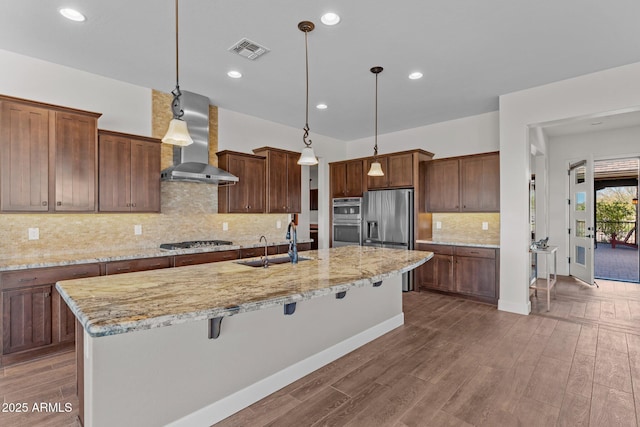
(347, 221)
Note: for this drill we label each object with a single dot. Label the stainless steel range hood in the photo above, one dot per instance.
(191, 163)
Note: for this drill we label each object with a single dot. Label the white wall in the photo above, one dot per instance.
(469, 135)
(124, 107)
(609, 144)
(240, 132)
(609, 90)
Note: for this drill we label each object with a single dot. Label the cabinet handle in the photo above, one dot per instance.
(84, 273)
(59, 203)
(133, 204)
(45, 203)
(47, 294)
(156, 265)
(123, 268)
(27, 280)
(128, 205)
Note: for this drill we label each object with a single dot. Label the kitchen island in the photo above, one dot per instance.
(155, 350)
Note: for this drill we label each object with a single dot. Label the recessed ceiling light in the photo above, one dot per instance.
(330, 18)
(72, 14)
(321, 106)
(415, 75)
(234, 74)
(596, 123)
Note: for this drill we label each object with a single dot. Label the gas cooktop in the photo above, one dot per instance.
(195, 244)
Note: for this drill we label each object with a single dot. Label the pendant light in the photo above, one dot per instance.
(376, 169)
(177, 134)
(307, 157)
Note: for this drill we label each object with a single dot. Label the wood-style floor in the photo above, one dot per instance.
(453, 363)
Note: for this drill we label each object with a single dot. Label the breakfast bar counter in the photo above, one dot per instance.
(155, 350)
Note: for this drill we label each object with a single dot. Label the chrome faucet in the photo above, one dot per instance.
(264, 260)
(293, 242)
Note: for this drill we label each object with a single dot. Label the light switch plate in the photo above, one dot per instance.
(34, 233)
(278, 224)
(438, 225)
(137, 229)
(485, 225)
(225, 226)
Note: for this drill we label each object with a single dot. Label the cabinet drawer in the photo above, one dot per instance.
(436, 249)
(475, 252)
(43, 276)
(203, 258)
(304, 247)
(128, 266)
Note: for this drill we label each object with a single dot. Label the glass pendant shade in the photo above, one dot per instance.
(376, 169)
(307, 157)
(178, 134)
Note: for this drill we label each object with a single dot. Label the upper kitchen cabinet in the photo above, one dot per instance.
(248, 195)
(49, 157)
(400, 169)
(129, 173)
(347, 178)
(480, 183)
(284, 176)
(463, 184)
(443, 186)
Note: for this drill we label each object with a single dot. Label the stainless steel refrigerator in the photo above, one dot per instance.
(387, 217)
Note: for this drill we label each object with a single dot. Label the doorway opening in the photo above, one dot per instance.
(616, 255)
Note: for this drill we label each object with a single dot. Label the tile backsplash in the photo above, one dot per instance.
(189, 212)
(466, 227)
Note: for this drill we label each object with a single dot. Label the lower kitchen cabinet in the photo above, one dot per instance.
(463, 270)
(205, 257)
(143, 264)
(35, 319)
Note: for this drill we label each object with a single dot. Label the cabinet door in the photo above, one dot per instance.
(205, 257)
(374, 182)
(114, 160)
(277, 182)
(338, 173)
(400, 170)
(24, 153)
(476, 276)
(75, 163)
(26, 318)
(294, 184)
(254, 173)
(64, 322)
(480, 183)
(145, 176)
(442, 186)
(354, 179)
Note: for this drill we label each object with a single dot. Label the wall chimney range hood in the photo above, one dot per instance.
(191, 163)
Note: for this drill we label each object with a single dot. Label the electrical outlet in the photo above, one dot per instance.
(485, 225)
(137, 229)
(34, 233)
(278, 224)
(225, 226)
(438, 225)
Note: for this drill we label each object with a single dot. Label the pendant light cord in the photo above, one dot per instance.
(306, 122)
(375, 147)
(177, 79)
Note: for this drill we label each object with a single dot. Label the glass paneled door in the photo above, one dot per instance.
(581, 222)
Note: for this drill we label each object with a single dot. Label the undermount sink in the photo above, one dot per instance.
(274, 260)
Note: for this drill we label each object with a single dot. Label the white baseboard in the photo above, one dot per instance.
(514, 307)
(223, 408)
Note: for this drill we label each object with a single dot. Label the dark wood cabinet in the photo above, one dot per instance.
(398, 171)
(248, 195)
(462, 270)
(129, 173)
(480, 183)
(75, 163)
(35, 319)
(26, 318)
(347, 178)
(283, 180)
(24, 154)
(205, 257)
(442, 186)
(464, 184)
(142, 264)
(49, 157)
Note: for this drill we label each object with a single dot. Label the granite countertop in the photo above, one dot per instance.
(458, 243)
(108, 305)
(10, 264)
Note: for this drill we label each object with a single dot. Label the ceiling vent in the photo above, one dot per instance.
(248, 49)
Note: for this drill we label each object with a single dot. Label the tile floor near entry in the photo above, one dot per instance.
(454, 363)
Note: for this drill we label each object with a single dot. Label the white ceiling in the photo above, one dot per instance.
(594, 123)
(469, 51)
